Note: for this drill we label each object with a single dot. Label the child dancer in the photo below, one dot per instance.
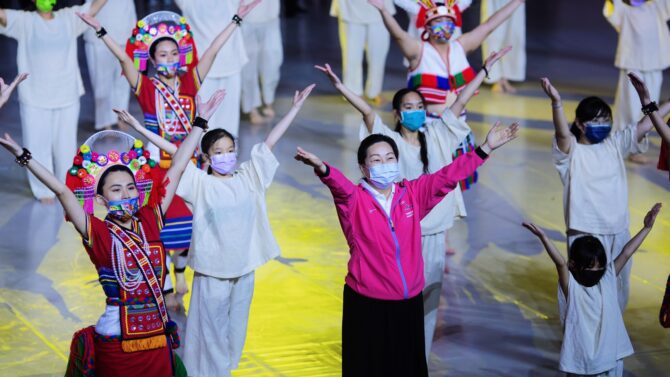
(49, 103)
(232, 238)
(134, 335)
(590, 161)
(382, 324)
(595, 340)
(110, 88)
(426, 146)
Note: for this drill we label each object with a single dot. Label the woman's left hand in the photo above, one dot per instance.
(300, 97)
(500, 135)
(640, 88)
(495, 56)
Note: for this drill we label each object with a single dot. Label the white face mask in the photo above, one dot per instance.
(382, 176)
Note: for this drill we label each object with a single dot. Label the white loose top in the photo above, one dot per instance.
(359, 11)
(119, 19)
(47, 49)
(208, 18)
(443, 136)
(594, 334)
(266, 10)
(642, 34)
(595, 189)
(231, 230)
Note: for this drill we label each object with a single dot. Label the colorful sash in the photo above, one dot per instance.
(145, 267)
(174, 104)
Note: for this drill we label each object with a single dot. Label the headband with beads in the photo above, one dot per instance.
(159, 25)
(102, 151)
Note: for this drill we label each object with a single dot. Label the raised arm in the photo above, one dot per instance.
(656, 117)
(340, 186)
(70, 203)
(207, 58)
(281, 127)
(409, 46)
(6, 90)
(96, 5)
(473, 39)
(356, 101)
(554, 254)
(635, 242)
(561, 126)
(127, 65)
(187, 147)
(467, 92)
(154, 138)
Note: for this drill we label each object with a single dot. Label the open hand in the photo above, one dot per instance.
(6, 90)
(244, 9)
(90, 20)
(535, 230)
(300, 97)
(329, 72)
(500, 135)
(640, 88)
(12, 146)
(310, 159)
(125, 116)
(207, 109)
(495, 56)
(650, 218)
(550, 90)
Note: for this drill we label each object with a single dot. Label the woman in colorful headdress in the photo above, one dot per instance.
(165, 90)
(134, 336)
(49, 102)
(232, 238)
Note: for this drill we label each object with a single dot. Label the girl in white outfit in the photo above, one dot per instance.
(590, 161)
(595, 339)
(231, 239)
(49, 101)
(425, 146)
(110, 88)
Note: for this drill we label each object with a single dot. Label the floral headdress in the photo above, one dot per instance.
(430, 10)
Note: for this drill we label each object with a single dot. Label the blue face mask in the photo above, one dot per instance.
(443, 31)
(168, 69)
(123, 209)
(382, 176)
(413, 120)
(597, 132)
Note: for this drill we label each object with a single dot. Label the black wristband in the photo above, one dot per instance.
(237, 19)
(649, 108)
(200, 122)
(101, 33)
(480, 152)
(486, 71)
(23, 159)
(327, 173)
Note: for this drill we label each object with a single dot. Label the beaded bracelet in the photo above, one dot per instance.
(649, 108)
(23, 159)
(200, 122)
(237, 19)
(101, 33)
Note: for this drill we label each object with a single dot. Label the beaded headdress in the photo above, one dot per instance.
(104, 150)
(431, 9)
(159, 25)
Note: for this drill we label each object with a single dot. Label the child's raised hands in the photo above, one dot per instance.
(500, 135)
(650, 218)
(495, 56)
(329, 72)
(550, 91)
(640, 88)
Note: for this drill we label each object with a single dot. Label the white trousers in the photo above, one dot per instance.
(433, 249)
(216, 325)
(511, 33)
(260, 76)
(374, 40)
(110, 88)
(617, 371)
(627, 107)
(613, 244)
(51, 137)
(228, 114)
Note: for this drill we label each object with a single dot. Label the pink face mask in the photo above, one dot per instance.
(224, 163)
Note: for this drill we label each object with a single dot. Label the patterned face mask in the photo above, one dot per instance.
(123, 209)
(443, 30)
(168, 69)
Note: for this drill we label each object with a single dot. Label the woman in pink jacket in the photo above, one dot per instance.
(382, 320)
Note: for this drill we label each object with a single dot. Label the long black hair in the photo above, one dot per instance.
(588, 109)
(397, 102)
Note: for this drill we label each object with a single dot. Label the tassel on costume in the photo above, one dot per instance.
(135, 345)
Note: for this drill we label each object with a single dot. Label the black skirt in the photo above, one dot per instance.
(382, 337)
